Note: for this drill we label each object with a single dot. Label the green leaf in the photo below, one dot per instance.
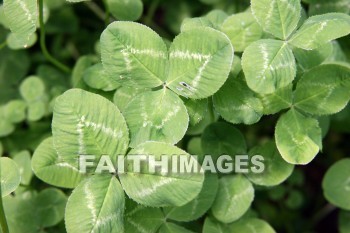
(130, 10)
(198, 206)
(1, 149)
(276, 169)
(160, 189)
(242, 107)
(277, 101)
(13, 64)
(336, 184)
(329, 6)
(221, 138)
(214, 19)
(196, 109)
(96, 205)
(209, 117)
(88, 124)
(173, 228)
(308, 59)
(96, 78)
(23, 161)
(278, 17)
(9, 175)
(32, 88)
(236, 66)
(37, 109)
(50, 206)
(194, 147)
(21, 18)
(53, 78)
(83, 63)
(323, 90)
(217, 18)
(242, 29)
(344, 221)
(324, 122)
(268, 65)
(251, 225)
(15, 111)
(131, 61)
(234, 197)
(198, 66)
(6, 127)
(193, 23)
(213, 226)
(124, 95)
(298, 138)
(156, 116)
(52, 169)
(278, 192)
(14, 43)
(320, 29)
(337, 55)
(30, 211)
(295, 199)
(3, 20)
(140, 218)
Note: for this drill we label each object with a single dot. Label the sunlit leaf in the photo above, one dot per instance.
(198, 206)
(51, 168)
(278, 17)
(21, 18)
(96, 205)
(93, 126)
(131, 61)
(268, 65)
(298, 137)
(161, 188)
(234, 197)
(236, 103)
(10, 176)
(276, 169)
(242, 29)
(156, 116)
(198, 67)
(323, 90)
(320, 29)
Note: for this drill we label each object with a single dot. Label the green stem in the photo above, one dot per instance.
(211, 110)
(151, 11)
(3, 222)
(43, 43)
(107, 17)
(321, 214)
(96, 10)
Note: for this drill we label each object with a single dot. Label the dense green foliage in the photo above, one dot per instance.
(115, 79)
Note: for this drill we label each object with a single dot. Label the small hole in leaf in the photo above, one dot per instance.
(184, 84)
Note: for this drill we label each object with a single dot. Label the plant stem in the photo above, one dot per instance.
(321, 214)
(211, 110)
(43, 43)
(107, 17)
(152, 9)
(3, 222)
(96, 10)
